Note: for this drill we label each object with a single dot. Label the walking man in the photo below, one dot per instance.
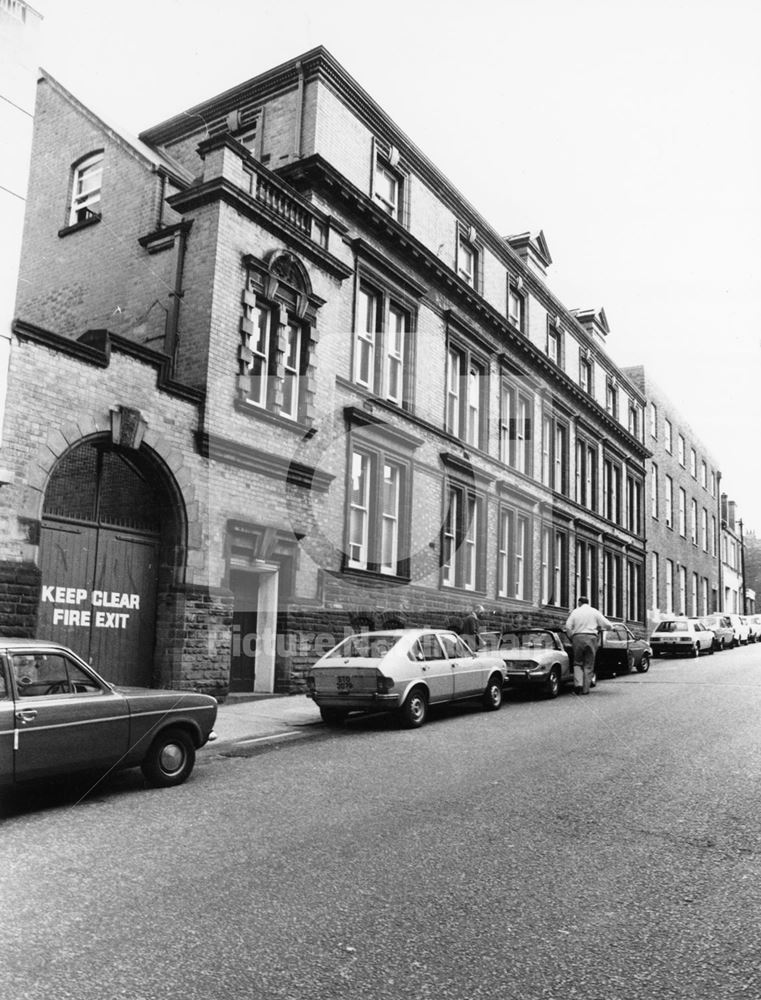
(471, 627)
(583, 627)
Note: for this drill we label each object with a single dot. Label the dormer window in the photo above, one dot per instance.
(85, 195)
(585, 374)
(466, 263)
(516, 304)
(555, 342)
(388, 187)
(611, 398)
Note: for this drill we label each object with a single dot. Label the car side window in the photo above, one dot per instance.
(4, 693)
(455, 647)
(42, 674)
(429, 648)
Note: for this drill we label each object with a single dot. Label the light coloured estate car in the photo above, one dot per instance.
(681, 637)
(403, 670)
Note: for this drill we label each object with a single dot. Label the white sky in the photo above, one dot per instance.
(628, 132)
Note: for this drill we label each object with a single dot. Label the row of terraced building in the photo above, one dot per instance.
(273, 378)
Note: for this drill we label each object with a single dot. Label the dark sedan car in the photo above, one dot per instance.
(620, 652)
(58, 716)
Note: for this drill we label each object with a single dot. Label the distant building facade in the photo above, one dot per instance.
(684, 513)
(737, 597)
(274, 378)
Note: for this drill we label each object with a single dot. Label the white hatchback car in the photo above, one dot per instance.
(406, 670)
(742, 629)
(681, 636)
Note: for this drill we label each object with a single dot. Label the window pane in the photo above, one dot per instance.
(397, 329)
(291, 372)
(365, 348)
(390, 518)
(358, 522)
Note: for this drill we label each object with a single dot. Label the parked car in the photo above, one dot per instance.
(537, 658)
(57, 716)
(405, 670)
(755, 624)
(723, 633)
(681, 636)
(741, 629)
(753, 629)
(620, 652)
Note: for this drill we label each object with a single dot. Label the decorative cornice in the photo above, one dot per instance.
(356, 416)
(507, 490)
(319, 64)
(243, 456)
(368, 254)
(221, 189)
(462, 467)
(315, 169)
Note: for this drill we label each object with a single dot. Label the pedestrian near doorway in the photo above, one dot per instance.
(470, 630)
(583, 628)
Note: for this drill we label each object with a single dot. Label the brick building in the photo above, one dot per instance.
(273, 378)
(735, 597)
(683, 501)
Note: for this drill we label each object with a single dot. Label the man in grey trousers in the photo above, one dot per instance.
(583, 627)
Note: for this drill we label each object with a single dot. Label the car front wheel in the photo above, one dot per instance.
(170, 759)
(644, 664)
(414, 711)
(492, 699)
(552, 684)
(696, 651)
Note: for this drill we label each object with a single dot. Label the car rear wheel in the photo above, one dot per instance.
(333, 716)
(492, 699)
(414, 711)
(170, 759)
(552, 684)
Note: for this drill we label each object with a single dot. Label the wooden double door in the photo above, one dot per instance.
(100, 548)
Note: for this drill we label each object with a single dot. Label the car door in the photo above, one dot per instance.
(65, 717)
(704, 637)
(612, 649)
(435, 668)
(7, 726)
(469, 671)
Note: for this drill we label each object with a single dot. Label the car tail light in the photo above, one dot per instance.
(384, 684)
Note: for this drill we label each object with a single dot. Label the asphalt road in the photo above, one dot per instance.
(604, 848)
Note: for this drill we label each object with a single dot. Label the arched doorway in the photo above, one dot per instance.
(108, 526)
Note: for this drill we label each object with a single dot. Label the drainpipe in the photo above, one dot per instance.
(742, 566)
(173, 319)
(718, 541)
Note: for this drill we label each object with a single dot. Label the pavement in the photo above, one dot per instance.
(266, 719)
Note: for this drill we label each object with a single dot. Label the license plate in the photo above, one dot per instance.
(343, 682)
